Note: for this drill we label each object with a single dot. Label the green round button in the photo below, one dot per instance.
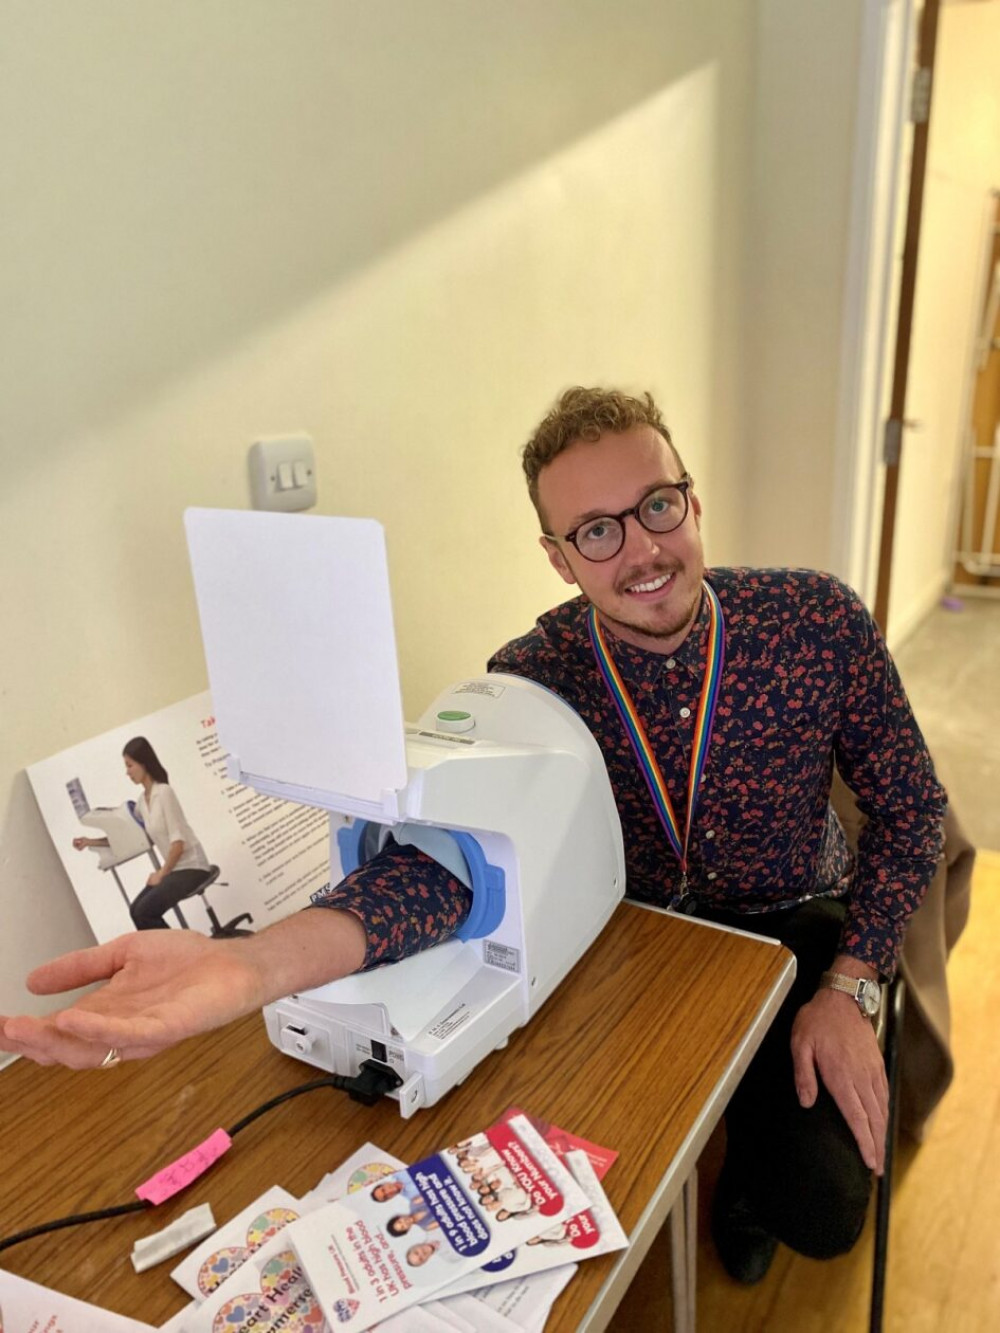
(455, 720)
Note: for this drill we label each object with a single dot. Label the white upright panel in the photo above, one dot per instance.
(296, 620)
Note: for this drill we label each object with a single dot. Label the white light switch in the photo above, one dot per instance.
(282, 473)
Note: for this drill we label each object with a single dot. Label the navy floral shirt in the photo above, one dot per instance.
(808, 683)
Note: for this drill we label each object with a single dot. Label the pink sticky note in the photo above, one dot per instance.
(178, 1175)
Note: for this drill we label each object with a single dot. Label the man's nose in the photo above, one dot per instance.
(639, 542)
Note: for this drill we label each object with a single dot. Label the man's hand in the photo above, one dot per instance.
(165, 985)
(832, 1038)
(162, 986)
(154, 878)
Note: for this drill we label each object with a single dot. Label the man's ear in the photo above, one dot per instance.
(556, 559)
(696, 510)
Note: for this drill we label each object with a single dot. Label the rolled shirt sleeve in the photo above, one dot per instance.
(405, 900)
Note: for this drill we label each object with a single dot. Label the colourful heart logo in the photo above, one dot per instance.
(284, 1302)
(225, 1261)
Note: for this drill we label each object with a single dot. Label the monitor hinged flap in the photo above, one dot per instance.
(296, 620)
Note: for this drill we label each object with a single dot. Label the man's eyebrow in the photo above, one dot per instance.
(607, 512)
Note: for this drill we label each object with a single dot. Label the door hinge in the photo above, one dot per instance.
(920, 96)
(892, 443)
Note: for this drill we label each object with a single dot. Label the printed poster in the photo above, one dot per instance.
(272, 855)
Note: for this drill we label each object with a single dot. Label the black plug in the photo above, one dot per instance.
(372, 1081)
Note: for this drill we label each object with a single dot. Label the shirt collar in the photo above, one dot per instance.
(641, 666)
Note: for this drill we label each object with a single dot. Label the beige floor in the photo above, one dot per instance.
(944, 1270)
(951, 670)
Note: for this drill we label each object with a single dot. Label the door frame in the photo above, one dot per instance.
(871, 296)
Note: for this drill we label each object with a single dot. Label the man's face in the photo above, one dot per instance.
(650, 592)
(388, 1189)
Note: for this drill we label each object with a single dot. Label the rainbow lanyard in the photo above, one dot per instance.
(636, 732)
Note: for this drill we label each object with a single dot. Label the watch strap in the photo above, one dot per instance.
(856, 987)
(840, 981)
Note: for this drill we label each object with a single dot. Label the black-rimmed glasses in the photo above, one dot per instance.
(661, 510)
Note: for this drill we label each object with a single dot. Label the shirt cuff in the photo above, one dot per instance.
(406, 901)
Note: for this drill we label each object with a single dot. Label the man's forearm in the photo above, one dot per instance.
(306, 949)
(395, 905)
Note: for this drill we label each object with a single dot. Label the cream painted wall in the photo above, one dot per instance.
(802, 144)
(963, 167)
(401, 228)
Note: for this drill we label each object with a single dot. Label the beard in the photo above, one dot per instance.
(658, 624)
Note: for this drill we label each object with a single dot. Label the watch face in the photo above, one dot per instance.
(870, 997)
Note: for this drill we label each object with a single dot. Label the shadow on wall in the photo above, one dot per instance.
(183, 178)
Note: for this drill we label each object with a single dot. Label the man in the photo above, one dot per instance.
(721, 701)
(804, 681)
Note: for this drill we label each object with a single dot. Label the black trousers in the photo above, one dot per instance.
(799, 1169)
(147, 911)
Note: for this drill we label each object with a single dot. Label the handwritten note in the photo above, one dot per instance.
(178, 1175)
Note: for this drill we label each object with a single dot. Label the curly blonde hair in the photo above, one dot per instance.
(587, 414)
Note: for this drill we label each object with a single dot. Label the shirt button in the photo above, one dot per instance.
(712, 875)
(671, 663)
(710, 833)
(685, 712)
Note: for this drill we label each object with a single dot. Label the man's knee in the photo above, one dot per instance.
(807, 1180)
(825, 1216)
(820, 1204)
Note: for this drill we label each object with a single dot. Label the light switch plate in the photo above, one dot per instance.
(282, 472)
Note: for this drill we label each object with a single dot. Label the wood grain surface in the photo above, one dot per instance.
(627, 1053)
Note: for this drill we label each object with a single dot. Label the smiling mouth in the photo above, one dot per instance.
(653, 585)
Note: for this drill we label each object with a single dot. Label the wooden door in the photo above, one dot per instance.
(977, 559)
(893, 449)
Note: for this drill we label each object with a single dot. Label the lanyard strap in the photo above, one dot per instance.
(636, 732)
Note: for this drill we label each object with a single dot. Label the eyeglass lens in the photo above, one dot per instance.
(660, 511)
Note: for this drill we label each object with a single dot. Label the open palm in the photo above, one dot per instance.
(159, 987)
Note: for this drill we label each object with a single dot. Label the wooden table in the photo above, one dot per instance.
(639, 1049)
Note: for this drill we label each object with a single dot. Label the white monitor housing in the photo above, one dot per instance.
(297, 625)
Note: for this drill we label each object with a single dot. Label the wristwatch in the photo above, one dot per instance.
(868, 994)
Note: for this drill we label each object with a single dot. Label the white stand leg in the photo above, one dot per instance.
(683, 1255)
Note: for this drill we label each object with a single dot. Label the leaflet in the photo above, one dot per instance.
(464, 1314)
(229, 1246)
(525, 1302)
(403, 1238)
(268, 1294)
(594, 1230)
(455, 1317)
(561, 1141)
(362, 1168)
(25, 1307)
